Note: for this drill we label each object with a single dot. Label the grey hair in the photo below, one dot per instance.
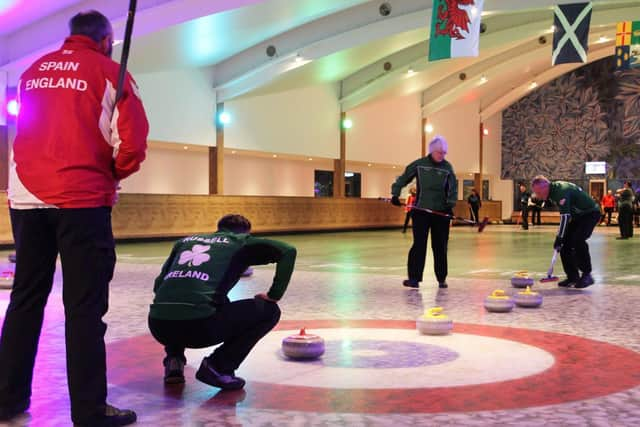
(540, 180)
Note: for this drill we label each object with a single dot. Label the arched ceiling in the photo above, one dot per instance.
(341, 42)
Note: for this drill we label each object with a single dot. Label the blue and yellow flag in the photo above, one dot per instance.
(628, 45)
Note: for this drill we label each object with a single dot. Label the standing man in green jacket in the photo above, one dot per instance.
(437, 190)
(579, 215)
(191, 308)
(625, 210)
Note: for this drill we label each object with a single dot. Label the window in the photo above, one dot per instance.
(323, 184)
(352, 184)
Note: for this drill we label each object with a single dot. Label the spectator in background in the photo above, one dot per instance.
(475, 203)
(524, 205)
(535, 205)
(609, 205)
(625, 211)
(411, 200)
(636, 204)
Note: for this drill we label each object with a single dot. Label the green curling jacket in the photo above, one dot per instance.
(436, 184)
(202, 269)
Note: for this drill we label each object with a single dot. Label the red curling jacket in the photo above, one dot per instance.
(73, 143)
(608, 201)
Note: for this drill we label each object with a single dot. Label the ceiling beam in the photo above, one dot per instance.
(352, 27)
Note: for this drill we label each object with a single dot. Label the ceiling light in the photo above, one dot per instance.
(428, 128)
(603, 39)
(483, 80)
(299, 58)
(233, 152)
(533, 85)
(275, 155)
(410, 71)
(185, 147)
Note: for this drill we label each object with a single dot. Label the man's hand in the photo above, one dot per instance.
(557, 244)
(266, 298)
(395, 201)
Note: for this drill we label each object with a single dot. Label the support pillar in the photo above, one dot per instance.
(340, 165)
(478, 176)
(216, 157)
(423, 132)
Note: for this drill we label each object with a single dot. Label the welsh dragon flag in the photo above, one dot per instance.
(455, 28)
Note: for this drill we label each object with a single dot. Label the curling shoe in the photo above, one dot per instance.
(173, 370)
(584, 281)
(208, 375)
(113, 417)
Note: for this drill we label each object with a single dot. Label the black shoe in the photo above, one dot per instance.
(173, 370)
(9, 412)
(443, 285)
(410, 283)
(112, 417)
(208, 375)
(584, 281)
(621, 238)
(566, 283)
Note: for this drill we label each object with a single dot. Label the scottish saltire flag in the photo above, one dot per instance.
(455, 29)
(628, 45)
(571, 33)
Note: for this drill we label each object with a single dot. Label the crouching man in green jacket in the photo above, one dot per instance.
(191, 308)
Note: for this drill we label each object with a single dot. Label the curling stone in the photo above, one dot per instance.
(527, 298)
(498, 302)
(434, 322)
(248, 272)
(6, 279)
(303, 346)
(521, 279)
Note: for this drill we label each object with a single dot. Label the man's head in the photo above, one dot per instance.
(438, 148)
(540, 186)
(627, 184)
(523, 187)
(96, 26)
(234, 223)
(610, 192)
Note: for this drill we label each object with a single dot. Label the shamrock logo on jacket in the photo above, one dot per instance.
(196, 256)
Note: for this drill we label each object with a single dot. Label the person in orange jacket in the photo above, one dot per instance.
(608, 204)
(411, 199)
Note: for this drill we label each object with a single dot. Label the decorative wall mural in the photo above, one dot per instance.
(590, 114)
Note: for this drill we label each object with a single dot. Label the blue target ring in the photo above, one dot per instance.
(379, 354)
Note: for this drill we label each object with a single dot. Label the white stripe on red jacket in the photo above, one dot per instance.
(73, 145)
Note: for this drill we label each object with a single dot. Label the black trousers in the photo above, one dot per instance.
(238, 325)
(84, 240)
(475, 212)
(607, 213)
(575, 251)
(625, 220)
(525, 216)
(536, 213)
(406, 221)
(424, 222)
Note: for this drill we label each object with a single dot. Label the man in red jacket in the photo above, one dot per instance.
(74, 143)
